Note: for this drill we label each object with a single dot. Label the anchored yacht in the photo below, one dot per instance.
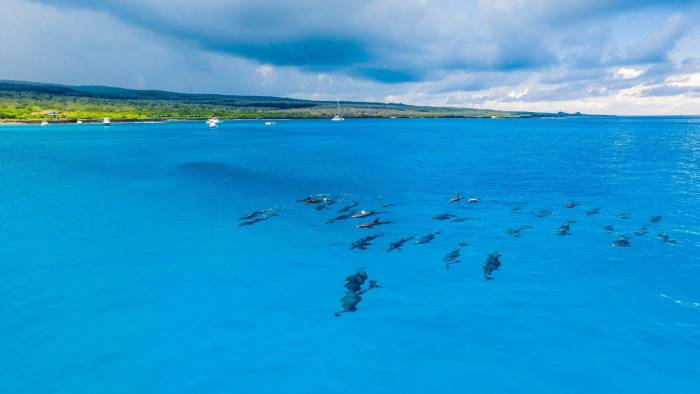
(213, 123)
(337, 117)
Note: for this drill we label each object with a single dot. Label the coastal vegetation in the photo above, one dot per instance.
(26, 101)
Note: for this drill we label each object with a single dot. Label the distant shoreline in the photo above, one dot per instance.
(161, 120)
(88, 121)
(30, 102)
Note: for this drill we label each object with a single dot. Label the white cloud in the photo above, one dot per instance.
(627, 73)
(517, 95)
(264, 70)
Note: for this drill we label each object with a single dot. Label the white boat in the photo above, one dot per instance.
(337, 117)
(78, 121)
(268, 123)
(213, 123)
(44, 123)
(106, 122)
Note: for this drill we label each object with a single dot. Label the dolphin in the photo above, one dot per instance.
(355, 281)
(565, 229)
(642, 230)
(656, 218)
(364, 242)
(339, 217)
(348, 207)
(456, 198)
(444, 216)
(396, 245)
(374, 223)
(473, 200)
(493, 263)
(666, 238)
(571, 204)
(349, 303)
(622, 241)
(254, 214)
(363, 214)
(453, 256)
(624, 215)
(515, 232)
(593, 211)
(427, 238)
(325, 203)
(543, 213)
(609, 228)
(311, 200)
(256, 220)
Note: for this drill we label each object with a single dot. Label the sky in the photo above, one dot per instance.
(601, 57)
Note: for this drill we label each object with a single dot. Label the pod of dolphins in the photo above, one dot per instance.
(355, 282)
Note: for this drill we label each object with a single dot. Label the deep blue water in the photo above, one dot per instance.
(123, 269)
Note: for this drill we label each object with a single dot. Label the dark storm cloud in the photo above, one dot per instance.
(449, 52)
(397, 41)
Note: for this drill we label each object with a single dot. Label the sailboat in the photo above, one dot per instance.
(337, 117)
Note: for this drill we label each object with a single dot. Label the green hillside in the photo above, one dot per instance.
(28, 101)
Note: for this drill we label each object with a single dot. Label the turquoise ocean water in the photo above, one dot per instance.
(123, 268)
